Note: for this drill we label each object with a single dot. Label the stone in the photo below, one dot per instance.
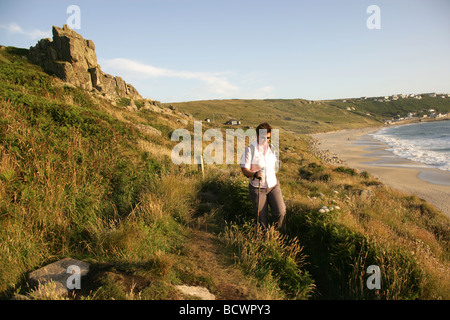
(195, 291)
(148, 129)
(72, 58)
(54, 276)
(151, 107)
(365, 194)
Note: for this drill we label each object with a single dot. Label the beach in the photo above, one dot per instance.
(356, 149)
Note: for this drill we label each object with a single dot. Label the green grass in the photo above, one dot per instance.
(333, 250)
(78, 179)
(304, 116)
(72, 178)
(291, 115)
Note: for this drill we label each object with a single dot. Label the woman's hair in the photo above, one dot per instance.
(264, 126)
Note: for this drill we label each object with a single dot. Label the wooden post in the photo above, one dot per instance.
(200, 165)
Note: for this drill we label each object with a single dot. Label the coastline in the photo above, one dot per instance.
(356, 149)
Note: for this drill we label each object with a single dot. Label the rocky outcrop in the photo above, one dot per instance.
(72, 58)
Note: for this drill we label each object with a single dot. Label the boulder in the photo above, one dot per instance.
(72, 58)
(365, 194)
(54, 276)
(146, 129)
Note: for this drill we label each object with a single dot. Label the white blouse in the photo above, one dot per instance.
(264, 160)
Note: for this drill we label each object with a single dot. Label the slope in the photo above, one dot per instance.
(304, 116)
(91, 178)
(297, 115)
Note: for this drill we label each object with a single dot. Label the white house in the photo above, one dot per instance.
(233, 122)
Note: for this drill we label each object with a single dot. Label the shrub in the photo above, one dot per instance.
(348, 171)
(124, 102)
(314, 172)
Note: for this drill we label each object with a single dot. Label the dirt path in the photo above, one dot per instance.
(209, 256)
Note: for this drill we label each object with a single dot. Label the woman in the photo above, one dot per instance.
(258, 163)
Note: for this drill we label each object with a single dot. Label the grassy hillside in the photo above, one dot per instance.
(394, 108)
(304, 116)
(299, 116)
(80, 178)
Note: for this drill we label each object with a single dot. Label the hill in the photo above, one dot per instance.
(303, 116)
(297, 115)
(90, 177)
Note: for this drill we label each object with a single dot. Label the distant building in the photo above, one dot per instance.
(233, 122)
(207, 120)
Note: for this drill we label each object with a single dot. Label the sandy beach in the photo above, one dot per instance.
(360, 151)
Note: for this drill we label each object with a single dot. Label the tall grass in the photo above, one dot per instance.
(404, 236)
(274, 259)
(78, 179)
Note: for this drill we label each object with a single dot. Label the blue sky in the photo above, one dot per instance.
(184, 50)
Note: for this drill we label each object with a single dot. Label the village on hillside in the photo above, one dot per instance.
(429, 113)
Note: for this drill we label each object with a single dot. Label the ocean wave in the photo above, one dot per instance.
(432, 149)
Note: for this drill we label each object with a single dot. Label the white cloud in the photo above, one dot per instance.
(216, 85)
(34, 34)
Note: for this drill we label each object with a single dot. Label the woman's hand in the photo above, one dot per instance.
(257, 175)
(251, 174)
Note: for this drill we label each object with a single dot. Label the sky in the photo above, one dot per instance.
(186, 50)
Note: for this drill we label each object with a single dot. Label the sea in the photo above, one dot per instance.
(424, 142)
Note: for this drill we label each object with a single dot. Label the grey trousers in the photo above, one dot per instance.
(268, 197)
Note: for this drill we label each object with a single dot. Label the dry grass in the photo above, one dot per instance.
(78, 179)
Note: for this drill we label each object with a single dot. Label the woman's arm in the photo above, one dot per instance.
(251, 174)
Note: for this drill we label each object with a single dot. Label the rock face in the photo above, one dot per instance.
(72, 58)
